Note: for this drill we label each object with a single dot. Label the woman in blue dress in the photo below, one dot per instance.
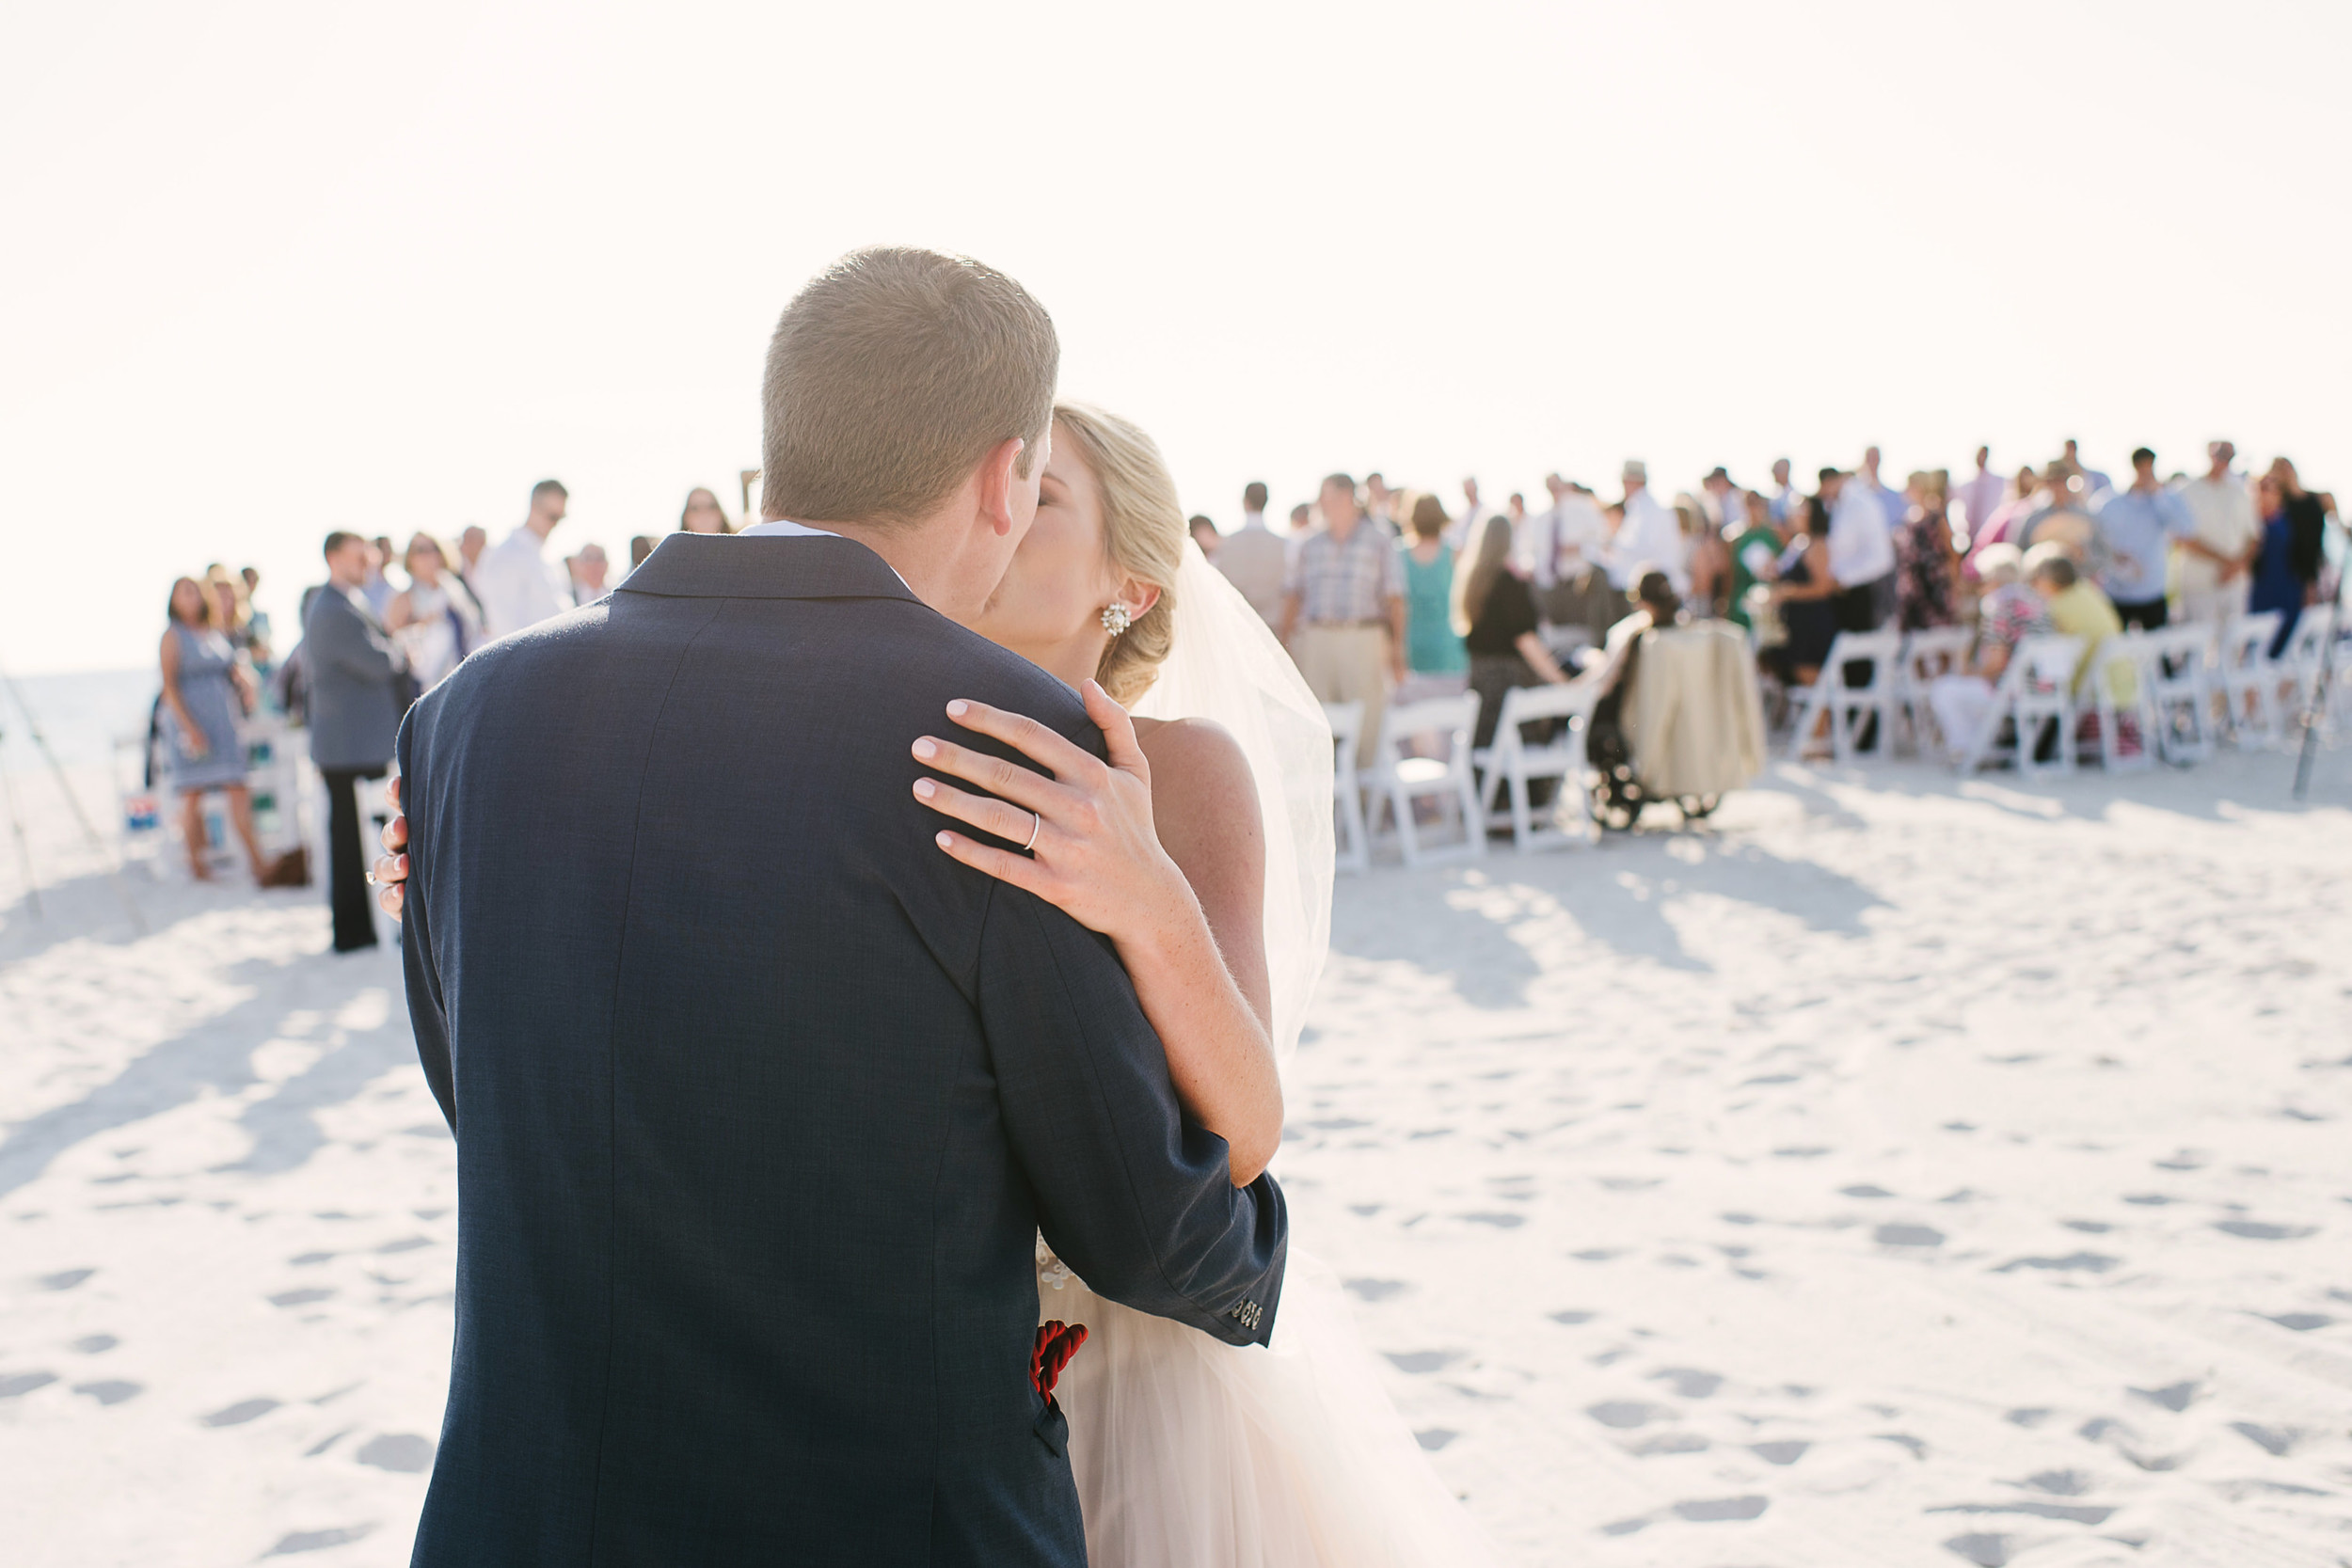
(205, 689)
(2286, 569)
(1431, 648)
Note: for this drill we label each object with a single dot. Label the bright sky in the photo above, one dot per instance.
(274, 269)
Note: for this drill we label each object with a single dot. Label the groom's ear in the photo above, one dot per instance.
(1000, 488)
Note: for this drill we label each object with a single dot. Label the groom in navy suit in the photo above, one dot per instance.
(759, 1097)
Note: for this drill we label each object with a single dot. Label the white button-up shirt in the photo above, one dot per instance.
(1650, 535)
(2223, 511)
(1861, 544)
(518, 586)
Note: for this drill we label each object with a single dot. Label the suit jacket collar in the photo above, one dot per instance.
(720, 566)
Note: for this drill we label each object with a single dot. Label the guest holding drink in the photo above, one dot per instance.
(205, 691)
(435, 618)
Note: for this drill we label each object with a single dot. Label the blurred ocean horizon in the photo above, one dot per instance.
(80, 713)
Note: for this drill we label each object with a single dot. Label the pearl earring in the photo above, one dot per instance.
(1115, 618)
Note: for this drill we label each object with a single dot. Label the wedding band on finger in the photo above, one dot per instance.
(1036, 824)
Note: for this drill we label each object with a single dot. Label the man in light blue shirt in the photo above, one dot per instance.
(2136, 527)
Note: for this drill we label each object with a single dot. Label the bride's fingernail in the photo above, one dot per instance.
(946, 841)
(958, 708)
(926, 748)
(925, 789)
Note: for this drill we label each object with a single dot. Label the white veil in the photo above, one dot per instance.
(1228, 667)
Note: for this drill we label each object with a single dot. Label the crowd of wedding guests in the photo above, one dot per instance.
(385, 626)
(1377, 590)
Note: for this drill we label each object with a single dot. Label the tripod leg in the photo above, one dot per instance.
(23, 845)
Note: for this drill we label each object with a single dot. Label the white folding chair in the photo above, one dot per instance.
(2295, 674)
(2128, 652)
(1401, 775)
(2249, 681)
(1851, 707)
(1352, 845)
(1509, 768)
(1927, 654)
(2036, 694)
(2178, 671)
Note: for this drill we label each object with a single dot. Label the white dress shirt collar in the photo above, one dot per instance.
(784, 528)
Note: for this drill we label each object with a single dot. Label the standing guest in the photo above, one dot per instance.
(471, 544)
(1494, 614)
(702, 514)
(1432, 647)
(518, 585)
(2092, 480)
(1786, 499)
(232, 614)
(588, 570)
(378, 588)
(2136, 527)
(1344, 607)
(1926, 571)
(1861, 551)
(1571, 588)
(1722, 498)
(1380, 503)
(353, 665)
(1252, 557)
(1803, 592)
(2295, 527)
(1753, 549)
(2218, 555)
(205, 691)
(1650, 535)
(1978, 495)
(435, 619)
(1891, 500)
(640, 547)
(2007, 519)
(1707, 560)
(257, 623)
(2009, 614)
(1203, 532)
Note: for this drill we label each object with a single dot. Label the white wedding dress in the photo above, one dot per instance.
(1189, 1452)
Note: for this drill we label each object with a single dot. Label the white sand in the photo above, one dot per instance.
(1894, 1172)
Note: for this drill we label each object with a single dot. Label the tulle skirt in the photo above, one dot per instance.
(1192, 1453)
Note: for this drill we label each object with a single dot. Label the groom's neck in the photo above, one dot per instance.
(926, 555)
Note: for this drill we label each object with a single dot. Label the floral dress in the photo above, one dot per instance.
(1923, 572)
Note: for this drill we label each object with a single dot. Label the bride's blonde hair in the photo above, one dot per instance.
(1143, 536)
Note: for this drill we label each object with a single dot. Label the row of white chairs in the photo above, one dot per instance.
(2182, 680)
(1423, 753)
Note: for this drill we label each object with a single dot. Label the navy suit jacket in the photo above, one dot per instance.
(759, 1097)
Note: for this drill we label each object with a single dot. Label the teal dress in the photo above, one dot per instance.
(1430, 646)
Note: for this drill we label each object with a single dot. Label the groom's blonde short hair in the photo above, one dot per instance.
(891, 375)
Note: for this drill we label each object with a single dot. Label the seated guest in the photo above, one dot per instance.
(1655, 604)
(2077, 609)
(1431, 648)
(206, 690)
(1494, 612)
(2009, 614)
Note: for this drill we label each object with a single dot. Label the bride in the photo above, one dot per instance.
(1203, 852)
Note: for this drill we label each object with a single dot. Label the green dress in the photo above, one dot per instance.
(1742, 577)
(1430, 646)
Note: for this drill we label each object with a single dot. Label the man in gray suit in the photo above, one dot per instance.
(357, 671)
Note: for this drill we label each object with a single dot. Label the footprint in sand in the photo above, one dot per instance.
(14, 1385)
(95, 1345)
(239, 1413)
(2301, 1322)
(1714, 1510)
(64, 1282)
(403, 1453)
(1625, 1415)
(1375, 1289)
(2085, 1262)
(1689, 1382)
(1786, 1450)
(110, 1390)
(2174, 1397)
(2256, 1230)
(303, 1297)
(1433, 1438)
(2269, 1439)
(1422, 1361)
(1907, 1235)
(319, 1540)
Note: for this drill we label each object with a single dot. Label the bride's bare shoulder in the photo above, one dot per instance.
(1202, 788)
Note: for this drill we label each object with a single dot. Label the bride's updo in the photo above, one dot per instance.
(1143, 534)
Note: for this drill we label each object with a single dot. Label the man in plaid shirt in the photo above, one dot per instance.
(1344, 608)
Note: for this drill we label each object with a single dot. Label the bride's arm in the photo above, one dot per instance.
(1181, 899)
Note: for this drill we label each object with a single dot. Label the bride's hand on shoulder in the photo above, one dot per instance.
(1094, 852)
